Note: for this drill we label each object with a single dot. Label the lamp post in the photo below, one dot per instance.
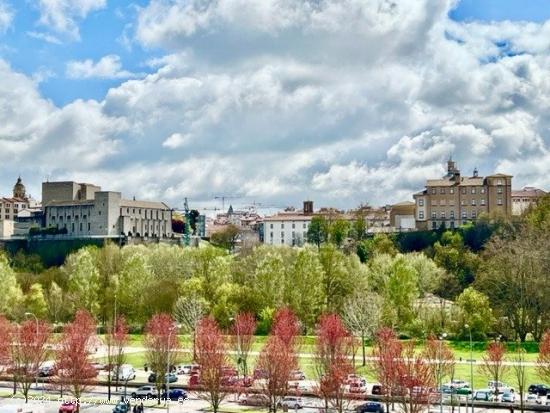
(471, 365)
(28, 314)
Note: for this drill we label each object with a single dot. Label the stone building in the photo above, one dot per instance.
(10, 207)
(455, 199)
(84, 210)
(525, 198)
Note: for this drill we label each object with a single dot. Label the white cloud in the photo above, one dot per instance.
(63, 16)
(6, 16)
(176, 140)
(108, 67)
(48, 38)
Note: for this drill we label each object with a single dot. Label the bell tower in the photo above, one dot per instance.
(19, 190)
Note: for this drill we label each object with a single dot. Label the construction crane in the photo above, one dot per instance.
(224, 197)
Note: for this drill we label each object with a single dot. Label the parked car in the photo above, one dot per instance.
(255, 400)
(539, 389)
(47, 369)
(486, 395)
(126, 372)
(377, 389)
(68, 407)
(195, 379)
(168, 377)
(370, 407)
(176, 395)
(531, 398)
(99, 366)
(121, 407)
(459, 384)
(259, 374)
(188, 368)
(508, 397)
(148, 392)
(353, 378)
(297, 375)
(357, 387)
(291, 402)
(500, 386)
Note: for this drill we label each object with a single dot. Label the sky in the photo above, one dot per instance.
(274, 101)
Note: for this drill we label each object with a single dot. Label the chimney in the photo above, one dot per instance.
(308, 207)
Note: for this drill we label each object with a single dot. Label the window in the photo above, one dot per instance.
(89, 226)
(482, 201)
(482, 190)
(443, 214)
(421, 202)
(304, 225)
(499, 190)
(442, 202)
(421, 214)
(434, 202)
(464, 191)
(282, 235)
(434, 191)
(434, 215)
(452, 225)
(462, 202)
(473, 202)
(81, 227)
(293, 226)
(499, 201)
(464, 215)
(434, 225)
(271, 226)
(442, 191)
(282, 225)
(473, 214)
(451, 202)
(72, 227)
(473, 190)
(452, 214)
(271, 235)
(451, 190)
(499, 181)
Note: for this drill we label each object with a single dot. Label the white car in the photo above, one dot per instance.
(148, 392)
(186, 369)
(532, 399)
(291, 402)
(126, 372)
(500, 386)
(459, 384)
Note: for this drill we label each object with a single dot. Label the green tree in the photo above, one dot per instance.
(318, 231)
(35, 301)
(475, 311)
(339, 231)
(227, 238)
(379, 244)
(83, 280)
(12, 295)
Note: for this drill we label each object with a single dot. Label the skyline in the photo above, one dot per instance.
(338, 101)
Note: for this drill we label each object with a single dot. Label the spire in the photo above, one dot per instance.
(19, 190)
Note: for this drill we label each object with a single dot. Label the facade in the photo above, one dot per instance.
(525, 198)
(454, 200)
(402, 216)
(289, 227)
(84, 210)
(10, 207)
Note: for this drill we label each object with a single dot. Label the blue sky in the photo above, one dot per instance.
(342, 101)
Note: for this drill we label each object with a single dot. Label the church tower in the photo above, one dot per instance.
(19, 190)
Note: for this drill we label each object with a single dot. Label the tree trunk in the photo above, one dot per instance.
(363, 347)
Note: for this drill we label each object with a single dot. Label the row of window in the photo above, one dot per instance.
(464, 191)
(148, 212)
(304, 235)
(304, 225)
(463, 202)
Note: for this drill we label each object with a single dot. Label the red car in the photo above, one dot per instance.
(68, 407)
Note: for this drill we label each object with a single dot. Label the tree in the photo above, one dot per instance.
(276, 361)
(332, 361)
(242, 339)
(73, 361)
(475, 311)
(116, 341)
(12, 295)
(543, 359)
(414, 379)
(212, 358)
(339, 231)
(451, 254)
(226, 238)
(493, 364)
(35, 301)
(440, 358)
(520, 372)
(5, 342)
(318, 231)
(387, 351)
(362, 316)
(188, 311)
(55, 302)
(83, 279)
(28, 352)
(160, 342)
(286, 326)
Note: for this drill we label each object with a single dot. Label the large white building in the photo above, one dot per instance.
(525, 198)
(288, 227)
(84, 210)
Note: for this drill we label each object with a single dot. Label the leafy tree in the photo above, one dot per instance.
(12, 295)
(475, 311)
(242, 339)
(451, 254)
(56, 303)
(83, 279)
(318, 231)
(188, 311)
(227, 238)
(519, 369)
(35, 301)
(493, 364)
(339, 231)
(116, 341)
(379, 244)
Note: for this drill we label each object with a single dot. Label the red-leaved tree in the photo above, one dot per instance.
(242, 338)
(162, 346)
(440, 358)
(386, 354)
(74, 368)
(333, 350)
(28, 351)
(116, 340)
(279, 357)
(212, 358)
(543, 360)
(5, 343)
(415, 380)
(493, 364)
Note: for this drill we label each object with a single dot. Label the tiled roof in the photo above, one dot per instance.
(528, 192)
(71, 202)
(440, 182)
(143, 204)
(289, 217)
(473, 181)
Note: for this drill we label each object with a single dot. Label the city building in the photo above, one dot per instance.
(455, 199)
(288, 227)
(10, 207)
(84, 210)
(402, 216)
(525, 198)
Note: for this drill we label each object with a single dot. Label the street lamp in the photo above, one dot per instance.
(471, 365)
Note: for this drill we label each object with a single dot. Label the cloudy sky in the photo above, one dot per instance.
(273, 101)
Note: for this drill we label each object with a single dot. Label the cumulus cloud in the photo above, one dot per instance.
(6, 16)
(108, 67)
(343, 101)
(63, 16)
